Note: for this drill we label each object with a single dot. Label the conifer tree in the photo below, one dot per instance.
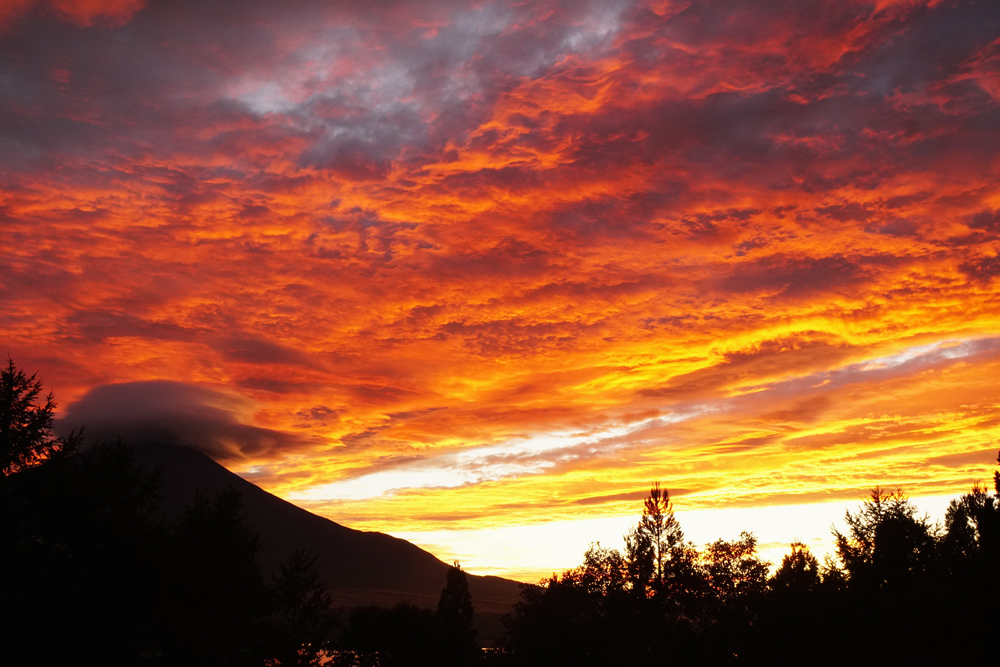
(658, 555)
(26, 422)
(455, 612)
(302, 620)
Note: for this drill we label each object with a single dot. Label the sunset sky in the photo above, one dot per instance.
(476, 273)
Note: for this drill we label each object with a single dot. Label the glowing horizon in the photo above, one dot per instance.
(461, 267)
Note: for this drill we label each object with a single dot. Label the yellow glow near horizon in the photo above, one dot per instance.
(553, 548)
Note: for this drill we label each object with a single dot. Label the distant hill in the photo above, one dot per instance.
(359, 567)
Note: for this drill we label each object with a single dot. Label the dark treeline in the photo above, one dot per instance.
(900, 590)
(95, 573)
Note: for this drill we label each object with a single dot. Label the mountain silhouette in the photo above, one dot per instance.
(359, 567)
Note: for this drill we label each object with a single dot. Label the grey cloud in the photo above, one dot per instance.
(987, 219)
(803, 276)
(95, 326)
(174, 413)
(983, 269)
(930, 45)
(319, 415)
(901, 227)
(258, 351)
(169, 68)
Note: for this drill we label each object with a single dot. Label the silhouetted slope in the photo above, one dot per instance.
(359, 567)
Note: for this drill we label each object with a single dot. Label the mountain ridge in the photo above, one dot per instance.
(359, 567)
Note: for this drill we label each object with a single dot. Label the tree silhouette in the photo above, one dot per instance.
(88, 529)
(887, 547)
(639, 561)
(455, 604)
(663, 529)
(798, 574)
(455, 612)
(559, 622)
(26, 422)
(734, 570)
(737, 581)
(888, 599)
(604, 571)
(217, 600)
(790, 623)
(658, 557)
(972, 542)
(616, 608)
(404, 635)
(301, 620)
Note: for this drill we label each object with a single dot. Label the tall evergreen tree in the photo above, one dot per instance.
(887, 546)
(659, 559)
(26, 422)
(972, 542)
(659, 523)
(218, 599)
(455, 611)
(639, 561)
(301, 619)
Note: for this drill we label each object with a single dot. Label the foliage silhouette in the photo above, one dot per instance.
(566, 621)
(217, 599)
(454, 612)
(604, 571)
(409, 635)
(82, 538)
(887, 546)
(735, 573)
(660, 559)
(616, 608)
(972, 539)
(799, 573)
(894, 592)
(26, 423)
(401, 636)
(301, 619)
(87, 532)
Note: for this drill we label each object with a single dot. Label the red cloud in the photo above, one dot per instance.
(90, 12)
(81, 12)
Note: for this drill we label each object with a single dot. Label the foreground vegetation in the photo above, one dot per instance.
(96, 573)
(900, 590)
